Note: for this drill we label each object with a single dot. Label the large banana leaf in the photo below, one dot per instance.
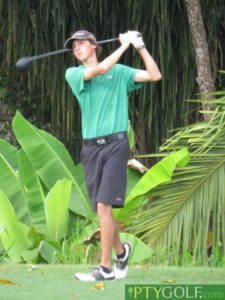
(88, 231)
(75, 204)
(185, 210)
(61, 152)
(9, 152)
(56, 209)
(13, 233)
(133, 177)
(49, 251)
(34, 192)
(160, 173)
(11, 185)
(31, 255)
(47, 157)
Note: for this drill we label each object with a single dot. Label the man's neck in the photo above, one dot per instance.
(91, 62)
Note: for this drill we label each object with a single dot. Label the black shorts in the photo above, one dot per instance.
(105, 167)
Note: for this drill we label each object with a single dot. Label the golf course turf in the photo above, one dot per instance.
(57, 282)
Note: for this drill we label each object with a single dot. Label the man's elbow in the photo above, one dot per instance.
(102, 69)
(156, 77)
(93, 72)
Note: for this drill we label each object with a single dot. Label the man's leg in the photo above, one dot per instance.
(123, 251)
(110, 238)
(117, 245)
(107, 231)
(109, 234)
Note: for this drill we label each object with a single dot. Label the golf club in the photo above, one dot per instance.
(24, 63)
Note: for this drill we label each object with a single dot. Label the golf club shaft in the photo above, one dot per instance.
(108, 41)
(67, 50)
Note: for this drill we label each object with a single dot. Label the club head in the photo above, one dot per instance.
(23, 64)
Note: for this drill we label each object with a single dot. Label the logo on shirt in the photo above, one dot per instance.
(109, 76)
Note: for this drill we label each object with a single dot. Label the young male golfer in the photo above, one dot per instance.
(101, 89)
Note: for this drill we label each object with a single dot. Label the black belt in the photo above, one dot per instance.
(103, 140)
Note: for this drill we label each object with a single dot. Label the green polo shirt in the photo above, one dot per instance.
(103, 99)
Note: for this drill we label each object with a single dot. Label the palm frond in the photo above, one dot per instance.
(183, 213)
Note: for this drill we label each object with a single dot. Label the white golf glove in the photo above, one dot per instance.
(136, 39)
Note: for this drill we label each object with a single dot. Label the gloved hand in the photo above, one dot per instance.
(136, 39)
(124, 39)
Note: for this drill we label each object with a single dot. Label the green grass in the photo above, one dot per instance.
(56, 282)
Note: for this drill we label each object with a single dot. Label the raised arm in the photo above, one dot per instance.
(152, 72)
(110, 61)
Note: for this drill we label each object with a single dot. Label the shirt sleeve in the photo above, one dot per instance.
(129, 74)
(75, 77)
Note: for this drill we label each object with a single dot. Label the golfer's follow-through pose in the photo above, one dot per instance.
(101, 89)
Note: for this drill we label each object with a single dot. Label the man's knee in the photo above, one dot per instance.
(104, 209)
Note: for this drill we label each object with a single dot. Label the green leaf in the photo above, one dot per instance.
(158, 174)
(56, 209)
(76, 204)
(48, 251)
(47, 158)
(11, 185)
(131, 136)
(88, 231)
(34, 193)
(31, 256)
(61, 151)
(13, 233)
(133, 177)
(9, 152)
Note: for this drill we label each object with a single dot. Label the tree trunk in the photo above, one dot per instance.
(204, 72)
(142, 141)
(6, 116)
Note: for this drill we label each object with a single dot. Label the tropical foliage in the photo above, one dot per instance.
(186, 216)
(177, 206)
(41, 192)
(47, 193)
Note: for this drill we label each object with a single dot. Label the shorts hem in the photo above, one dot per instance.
(114, 206)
